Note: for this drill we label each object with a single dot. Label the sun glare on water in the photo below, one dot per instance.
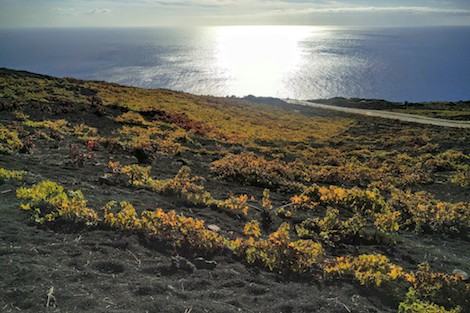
(259, 58)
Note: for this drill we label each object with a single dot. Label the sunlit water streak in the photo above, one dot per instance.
(401, 64)
(259, 58)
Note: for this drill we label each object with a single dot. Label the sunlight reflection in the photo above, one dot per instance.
(259, 58)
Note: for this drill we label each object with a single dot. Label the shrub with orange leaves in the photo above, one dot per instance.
(266, 201)
(413, 304)
(357, 200)
(331, 228)
(252, 228)
(126, 218)
(92, 144)
(278, 253)
(47, 201)
(373, 269)
(429, 284)
(368, 208)
(9, 140)
(59, 128)
(6, 175)
(251, 169)
(131, 118)
(182, 185)
(180, 230)
(424, 213)
(152, 138)
(235, 204)
(462, 176)
(432, 290)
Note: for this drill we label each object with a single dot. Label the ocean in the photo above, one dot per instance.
(299, 62)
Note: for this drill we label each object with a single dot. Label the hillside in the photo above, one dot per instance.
(120, 199)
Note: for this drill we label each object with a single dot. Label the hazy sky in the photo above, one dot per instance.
(111, 13)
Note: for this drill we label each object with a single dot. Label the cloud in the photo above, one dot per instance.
(99, 11)
(233, 12)
(293, 6)
(63, 10)
(76, 12)
(400, 9)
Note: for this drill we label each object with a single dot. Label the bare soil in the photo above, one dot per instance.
(98, 270)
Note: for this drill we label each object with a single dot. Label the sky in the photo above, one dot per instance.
(149, 13)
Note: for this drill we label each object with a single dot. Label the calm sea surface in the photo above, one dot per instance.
(413, 64)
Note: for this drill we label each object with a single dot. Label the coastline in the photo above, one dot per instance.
(413, 118)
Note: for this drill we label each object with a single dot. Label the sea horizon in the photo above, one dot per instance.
(415, 64)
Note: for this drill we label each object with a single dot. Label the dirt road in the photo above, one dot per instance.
(386, 114)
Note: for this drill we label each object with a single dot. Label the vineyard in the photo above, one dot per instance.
(117, 199)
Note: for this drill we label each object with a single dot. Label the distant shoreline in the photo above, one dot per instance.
(368, 107)
(413, 118)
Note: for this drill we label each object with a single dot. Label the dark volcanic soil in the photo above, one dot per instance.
(97, 270)
(101, 271)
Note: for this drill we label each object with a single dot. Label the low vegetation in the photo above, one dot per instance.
(303, 194)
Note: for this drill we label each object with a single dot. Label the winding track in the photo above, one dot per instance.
(413, 118)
